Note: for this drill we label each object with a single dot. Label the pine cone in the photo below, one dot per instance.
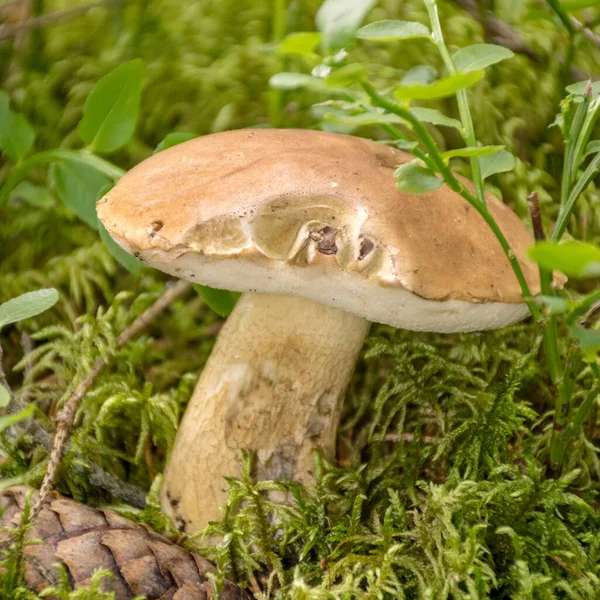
(84, 538)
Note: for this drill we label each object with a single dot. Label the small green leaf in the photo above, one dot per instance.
(173, 139)
(592, 147)
(8, 420)
(221, 301)
(415, 179)
(34, 195)
(302, 43)
(435, 117)
(579, 88)
(16, 134)
(389, 30)
(296, 81)
(420, 74)
(589, 341)
(555, 304)
(400, 144)
(447, 86)
(338, 20)
(111, 110)
(346, 75)
(472, 151)
(362, 119)
(128, 261)
(27, 305)
(78, 185)
(4, 396)
(499, 162)
(479, 56)
(574, 259)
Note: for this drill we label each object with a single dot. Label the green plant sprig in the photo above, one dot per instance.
(461, 97)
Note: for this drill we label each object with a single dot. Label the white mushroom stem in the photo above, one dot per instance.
(274, 385)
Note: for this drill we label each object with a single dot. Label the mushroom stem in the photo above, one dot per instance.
(274, 385)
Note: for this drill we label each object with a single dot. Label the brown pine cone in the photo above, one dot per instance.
(84, 539)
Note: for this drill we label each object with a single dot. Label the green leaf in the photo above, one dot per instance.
(589, 341)
(4, 396)
(389, 30)
(415, 179)
(8, 420)
(296, 81)
(555, 304)
(338, 20)
(592, 148)
(366, 118)
(400, 144)
(27, 305)
(112, 108)
(420, 74)
(346, 75)
(301, 43)
(221, 301)
(78, 185)
(574, 259)
(447, 86)
(34, 195)
(85, 158)
(435, 117)
(472, 151)
(16, 134)
(499, 162)
(579, 88)
(173, 139)
(130, 262)
(479, 56)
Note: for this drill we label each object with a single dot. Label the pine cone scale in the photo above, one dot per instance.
(84, 539)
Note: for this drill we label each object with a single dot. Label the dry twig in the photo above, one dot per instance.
(67, 414)
(533, 202)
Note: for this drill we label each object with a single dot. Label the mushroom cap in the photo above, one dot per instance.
(318, 215)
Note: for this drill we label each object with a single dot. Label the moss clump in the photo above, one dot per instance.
(443, 487)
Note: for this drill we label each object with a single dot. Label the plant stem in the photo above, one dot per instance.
(461, 96)
(454, 184)
(566, 209)
(49, 156)
(563, 16)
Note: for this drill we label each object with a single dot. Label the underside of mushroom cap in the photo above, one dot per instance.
(318, 215)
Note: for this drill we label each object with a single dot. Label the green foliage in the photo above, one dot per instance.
(16, 134)
(392, 30)
(479, 56)
(112, 108)
(64, 590)
(574, 259)
(27, 306)
(221, 301)
(444, 486)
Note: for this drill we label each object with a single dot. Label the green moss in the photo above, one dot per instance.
(443, 488)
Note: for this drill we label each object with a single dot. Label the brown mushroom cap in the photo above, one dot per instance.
(318, 215)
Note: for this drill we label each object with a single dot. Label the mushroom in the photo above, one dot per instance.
(311, 227)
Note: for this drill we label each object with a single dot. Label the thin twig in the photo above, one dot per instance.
(572, 25)
(533, 202)
(66, 416)
(97, 475)
(10, 31)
